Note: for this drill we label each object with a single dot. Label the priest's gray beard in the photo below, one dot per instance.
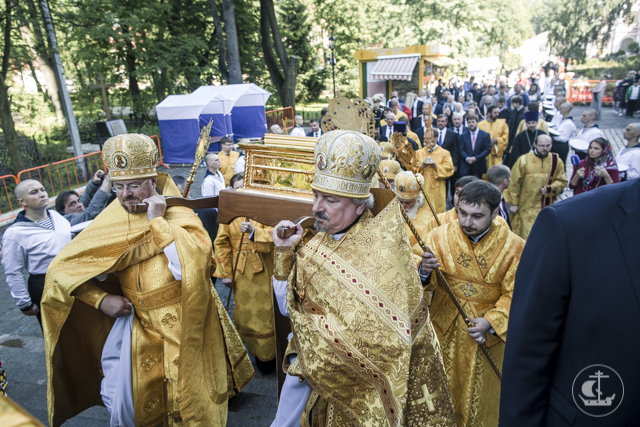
(412, 212)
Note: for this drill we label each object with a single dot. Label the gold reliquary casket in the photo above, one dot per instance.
(277, 181)
(283, 164)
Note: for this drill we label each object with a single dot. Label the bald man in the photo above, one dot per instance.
(298, 130)
(276, 129)
(565, 131)
(630, 155)
(590, 131)
(30, 244)
(213, 180)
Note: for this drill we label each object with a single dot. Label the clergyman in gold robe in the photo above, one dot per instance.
(363, 350)
(129, 314)
(410, 196)
(253, 301)
(435, 166)
(537, 179)
(478, 256)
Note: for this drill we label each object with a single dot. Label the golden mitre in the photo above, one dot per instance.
(130, 156)
(345, 163)
(387, 150)
(406, 185)
(390, 168)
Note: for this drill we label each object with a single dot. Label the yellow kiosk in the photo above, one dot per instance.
(403, 69)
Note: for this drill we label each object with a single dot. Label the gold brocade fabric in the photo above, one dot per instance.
(362, 331)
(481, 276)
(12, 415)
(421, 222)
(181, 332)
(435, 180)
(227, 162)
(528, 176)
(253, 306)
(498, 129)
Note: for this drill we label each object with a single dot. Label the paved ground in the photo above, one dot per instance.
(22, 347)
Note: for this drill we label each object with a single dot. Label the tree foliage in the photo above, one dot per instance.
(574, 24)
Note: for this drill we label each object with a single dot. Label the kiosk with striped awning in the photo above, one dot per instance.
(403, 69)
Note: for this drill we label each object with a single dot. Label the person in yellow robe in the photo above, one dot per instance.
(407, 189)
(499, 132)
(130, 317)
(436, 166)
(478, 256)
(228, 158)
(537, 178)
(363, 351)
(253, 303)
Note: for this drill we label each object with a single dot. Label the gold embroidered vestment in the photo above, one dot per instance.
(181, 332)
(362, 331)
(481, 275)
(253, 300)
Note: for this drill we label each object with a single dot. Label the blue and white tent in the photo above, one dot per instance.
(238, 111)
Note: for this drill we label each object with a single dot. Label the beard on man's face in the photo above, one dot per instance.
(317, 223)
(129, 201)
(413, 211)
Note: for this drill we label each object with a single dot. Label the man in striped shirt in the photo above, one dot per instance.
(30, 244)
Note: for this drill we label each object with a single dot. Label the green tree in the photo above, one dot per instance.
(573, 25)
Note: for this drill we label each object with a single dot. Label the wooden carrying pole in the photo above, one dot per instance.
(442, 281)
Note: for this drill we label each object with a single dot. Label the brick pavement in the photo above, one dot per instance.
(22, 346)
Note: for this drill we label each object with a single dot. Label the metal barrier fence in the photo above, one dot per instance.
(579, 91)
(282, 117)
(56, 177)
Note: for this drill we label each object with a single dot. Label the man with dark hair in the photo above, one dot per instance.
(228, 158)
(515, 116)
(451, 214)
(478, 256)
(537, 179)
(518, 92)
(78, 210)
(315, 132)
(500, 176)
(504, 111)
(499, 133)
(475, 146)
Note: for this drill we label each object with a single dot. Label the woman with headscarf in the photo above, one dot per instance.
(597, 169)
(534, 93)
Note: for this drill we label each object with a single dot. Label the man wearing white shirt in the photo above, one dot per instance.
(298, 130)
(565, 130)
(458, 126)
(630, 155)
(213, 180)
(590, 131)
(30, 244)
(557, 115)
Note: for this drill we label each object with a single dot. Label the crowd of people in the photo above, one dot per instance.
(131, 319)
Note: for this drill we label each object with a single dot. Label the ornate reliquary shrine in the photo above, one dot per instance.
(283, 164)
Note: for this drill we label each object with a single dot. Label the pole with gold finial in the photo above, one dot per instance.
(201, 150)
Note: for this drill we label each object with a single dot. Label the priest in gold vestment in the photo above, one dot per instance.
(407, 189)
(452, 214)
(253, 303)
(498, 130)
(172, 356)
(478, 255)
(537, 179)
(363, 348)
(436, 166)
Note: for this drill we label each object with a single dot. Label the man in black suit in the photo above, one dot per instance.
(458, 124)
(475, 146)
(573, 325)
(416, 110)
(387, 129)
(448, 140)
(504, 111)
(316, 132)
